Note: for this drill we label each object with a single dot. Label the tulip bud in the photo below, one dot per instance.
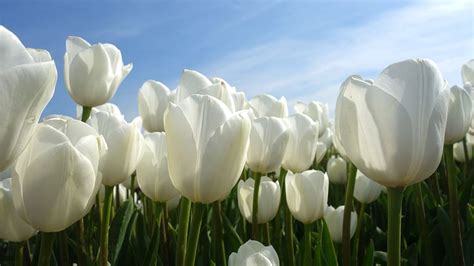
(458, 151)
(334, 220)
(337, 170)
(267, 105)
(299, 154)
(459, 115)
(12, 227)
(153, 98)
(52, 198)
(254, 253)
(152, 171)
(92, 73)
(267, 144)
(317, 111)
(124, 141)
(268, 199)
(307, 195)
(366, 190)
(27, 82)
(206, 162)
(393, 130)
(467, 72)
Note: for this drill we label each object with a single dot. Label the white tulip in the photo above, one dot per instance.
(321, 150)
(458, 151)
(12, 227)
(268, 141)
(366, 190)
(52, 198)
(337, 170)
(152, 171)
(253, 253)
(92, 73)
(317, 111)
(173, 203)
(106, 107)
(459, 115)
(267, 105)
(467, 72)
(334, 220)
(124, 141)
(301, 149)
(207, 146)
(153, 99)
(268, 199)
(27, 81)
(307, 195)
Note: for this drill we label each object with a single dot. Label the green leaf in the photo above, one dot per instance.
(118, 229)
(152, 251)
(328, 251)
(369, 255)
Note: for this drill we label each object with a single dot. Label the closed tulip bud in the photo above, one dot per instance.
(467, 72)
(27, 81)
(334, 220)
(152, 171)
(299, 154)
(268, 199)
(153, 99)
(12, 227)
(52, 198)
(459, 115)
(321, 150)
(92, 73)
(124, 141)
(337, 170)
(317, 111)
(393, 130)
(458, 151)
(268, 141)
(206, 162)
(267, 105)
(307, 195)
(254, 253)
(366, 190)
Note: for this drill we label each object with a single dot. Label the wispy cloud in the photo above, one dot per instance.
(303, 69)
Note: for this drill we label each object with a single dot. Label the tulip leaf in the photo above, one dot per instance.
(328, 251)
(152, 251)
(118, 229)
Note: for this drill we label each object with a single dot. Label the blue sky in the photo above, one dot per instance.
(302, 50)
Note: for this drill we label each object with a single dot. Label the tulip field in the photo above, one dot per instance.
(206, 176)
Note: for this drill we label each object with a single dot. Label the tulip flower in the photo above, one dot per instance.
(366, 190)
(321, 150)
(153, 98)
(467, 72)
(254, 253)
(458, 151)
(307, 195)
(124, 141)
(299, 154)
(334, 217)
(268, 199)
(173, 203)
(316, 111)
(267, 105)
(12, 227)
(152, 171)
(240, 101)
(52, 198)
(27, 81)
(268, 141)
(92, 73)
(337, 170)
(106, 107)
(459, 115)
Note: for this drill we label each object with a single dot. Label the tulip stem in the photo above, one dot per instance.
(395, 199)
(307, 245)
(184, 213)
(288, 224)
(453, 206)
(346, 236)
(86, 112)
(219, 247)
(198, 213)
(104, 230)
(19, 254)
(47, 240)
(360, 220)
(256, 188)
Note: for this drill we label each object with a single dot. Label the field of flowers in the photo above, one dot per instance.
(205, 176)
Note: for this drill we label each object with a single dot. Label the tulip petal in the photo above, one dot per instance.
(153, 99)
(74, 45)
(39, 55)
(12, 51)
(191, 81)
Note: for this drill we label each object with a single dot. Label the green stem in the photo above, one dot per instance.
(360, 219)
(218, 241)
(395, 199)
(466, 156)
(346, 236)
(164, 236)
(19, 254)
(307, 245)
(86, 112)
(453, 206)
(104, 229)
(278, 222)
(288, 225)
(47, 240)
(266, 234)
(63, 244)
(184, 213)
(256, 188)
(198, 212)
